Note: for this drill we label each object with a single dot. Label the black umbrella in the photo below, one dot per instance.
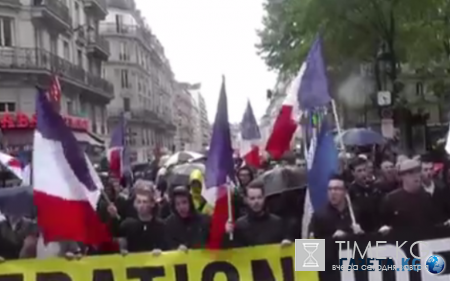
(179, 175)
(281, 179)
(17, 201)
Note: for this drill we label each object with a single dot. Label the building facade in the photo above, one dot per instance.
(42, 38)
(143, 81)
(184, 114)
(202, 132)
(422, 120)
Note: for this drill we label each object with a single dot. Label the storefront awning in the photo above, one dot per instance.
(87, 138)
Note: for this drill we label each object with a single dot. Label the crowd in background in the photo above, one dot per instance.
(407, 194)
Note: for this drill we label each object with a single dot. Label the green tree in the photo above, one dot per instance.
(351, 29)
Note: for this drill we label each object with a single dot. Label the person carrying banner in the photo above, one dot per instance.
(333, 220)
(15, 236)
(146, 232)
(258, 226)
(186, 228)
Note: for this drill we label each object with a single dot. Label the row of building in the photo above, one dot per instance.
(108, 62)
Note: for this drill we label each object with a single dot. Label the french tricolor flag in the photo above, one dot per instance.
(250, 138)
(116, 149)
(66, 189)
(12, 164)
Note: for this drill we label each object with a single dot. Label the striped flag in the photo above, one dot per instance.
(322, 164)
(12, 164)
(66, 189)
(54, 92)
(219, 172)
(307, 208)
(250, 138)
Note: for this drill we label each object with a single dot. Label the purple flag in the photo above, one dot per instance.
(219, 164)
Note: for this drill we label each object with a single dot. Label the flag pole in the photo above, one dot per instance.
(307, 206)
(230, 210)
(342, 146)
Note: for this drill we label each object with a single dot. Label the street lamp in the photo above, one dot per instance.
(382, 67)
(384, 94)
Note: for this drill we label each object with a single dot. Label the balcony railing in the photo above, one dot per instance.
(99, 4)
(10, 3)
(127, 30)
(39, 60)
(122, 4)
(99, 42)
(56, 8)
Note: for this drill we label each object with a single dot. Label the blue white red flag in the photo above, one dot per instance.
(116, 150)
(13, 164)
(250, 138)
(219, 172)
(66, 188)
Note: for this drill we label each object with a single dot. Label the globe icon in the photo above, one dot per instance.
(435, 264)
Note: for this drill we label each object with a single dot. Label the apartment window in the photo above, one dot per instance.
(70, 107)
(80, 58)
(66, 50)
(124, 79)
(103, 72)
(6, 32)
(124, 52)
(119, 23)
(53, 45)
(126, 104)
(138, 54)
(7, 106)
(77, 16)
(419, 88)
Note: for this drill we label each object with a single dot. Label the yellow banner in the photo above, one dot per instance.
(267, 263)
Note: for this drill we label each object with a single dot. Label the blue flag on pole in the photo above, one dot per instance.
(313, 91)
(324, 165)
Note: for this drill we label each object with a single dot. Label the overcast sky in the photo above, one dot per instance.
(204, 39)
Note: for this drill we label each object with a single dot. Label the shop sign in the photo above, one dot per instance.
(24, 121)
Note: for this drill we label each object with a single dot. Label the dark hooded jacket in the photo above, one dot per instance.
(192, 231)
(257, 229)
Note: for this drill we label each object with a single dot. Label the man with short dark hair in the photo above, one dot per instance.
(437, 192)
(145, 232)
(334, 220)
(364, 196)
(258, 226)
(387, 181)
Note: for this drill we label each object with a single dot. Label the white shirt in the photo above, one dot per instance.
(430, 188)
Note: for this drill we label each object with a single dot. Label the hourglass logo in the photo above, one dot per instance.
(309, 254)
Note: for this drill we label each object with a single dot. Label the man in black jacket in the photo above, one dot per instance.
(438, 193)
(365, 196)
(334, 219)
(186, 228)
(258, 226)
(146, 232)
(409, 209)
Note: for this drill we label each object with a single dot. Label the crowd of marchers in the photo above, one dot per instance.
(151, 216)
